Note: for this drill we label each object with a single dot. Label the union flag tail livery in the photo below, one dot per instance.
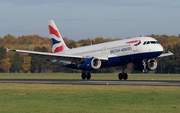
(57, 41)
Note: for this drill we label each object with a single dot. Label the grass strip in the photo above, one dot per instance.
(47, 98)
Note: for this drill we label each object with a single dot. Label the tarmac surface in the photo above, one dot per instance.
(94, 82)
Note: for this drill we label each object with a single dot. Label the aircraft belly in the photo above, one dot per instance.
(122, 60)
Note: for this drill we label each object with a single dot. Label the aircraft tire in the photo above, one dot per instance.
(120, 76)
(88, 76)
(125, 76)
(83, 76)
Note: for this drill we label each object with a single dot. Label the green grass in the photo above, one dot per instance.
(47, 98)
(44, 98)
(109, 76)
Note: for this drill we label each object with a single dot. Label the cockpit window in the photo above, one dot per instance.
(150, 42)
(144, 43)
(157, 42)
(153, 42)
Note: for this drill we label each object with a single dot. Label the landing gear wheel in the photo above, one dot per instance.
(123, 76)
(88, 76)
(83, 76)
(145, 70)
(120, 76)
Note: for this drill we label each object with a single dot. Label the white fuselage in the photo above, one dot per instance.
(117, 48)
(119, 52)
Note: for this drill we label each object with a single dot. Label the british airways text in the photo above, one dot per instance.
(117, 50)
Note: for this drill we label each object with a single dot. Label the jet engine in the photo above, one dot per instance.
(90, 64)
(145, 66)
(151, 64)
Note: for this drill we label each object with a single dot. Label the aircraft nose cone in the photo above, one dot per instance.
(161, 48)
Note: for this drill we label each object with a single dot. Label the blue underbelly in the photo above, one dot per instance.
(122, 60)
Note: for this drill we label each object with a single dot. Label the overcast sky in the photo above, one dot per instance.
(82, 19)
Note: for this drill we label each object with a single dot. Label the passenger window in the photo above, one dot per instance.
(148, 42)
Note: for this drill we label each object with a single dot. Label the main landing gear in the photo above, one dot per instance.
(86, 75)
(123, 75)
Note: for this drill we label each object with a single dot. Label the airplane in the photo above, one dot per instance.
(141, 51)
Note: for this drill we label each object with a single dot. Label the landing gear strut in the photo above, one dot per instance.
(85, 75)
(123, 75)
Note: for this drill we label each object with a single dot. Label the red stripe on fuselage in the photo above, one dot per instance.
(59, 49)
(134, 41)
(53, 31)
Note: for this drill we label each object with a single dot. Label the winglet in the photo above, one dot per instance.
(7, 49)
(166, 54)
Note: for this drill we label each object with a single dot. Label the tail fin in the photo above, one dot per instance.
(57, 41)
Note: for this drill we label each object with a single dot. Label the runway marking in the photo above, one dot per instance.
(94, 82)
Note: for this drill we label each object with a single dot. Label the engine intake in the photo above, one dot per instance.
(90, 64)
(151, 64)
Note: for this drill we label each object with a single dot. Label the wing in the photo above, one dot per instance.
(166, 54)
(47, 55)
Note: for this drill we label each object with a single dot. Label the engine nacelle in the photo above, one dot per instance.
(151, 64)
(90, 64)
(145, 66)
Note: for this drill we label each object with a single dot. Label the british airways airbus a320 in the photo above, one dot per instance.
(141, 51)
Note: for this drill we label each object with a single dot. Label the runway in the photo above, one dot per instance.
(94, 82)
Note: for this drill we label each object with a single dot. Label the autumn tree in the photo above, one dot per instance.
(2, 56)
(70, 43)
(5, 65)
(26, 64)
(30, 42)
(40, 64)
(16, 63)
(2, 53)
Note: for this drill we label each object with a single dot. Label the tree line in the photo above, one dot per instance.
(13, 62)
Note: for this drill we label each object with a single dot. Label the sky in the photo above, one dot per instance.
(82, 19)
